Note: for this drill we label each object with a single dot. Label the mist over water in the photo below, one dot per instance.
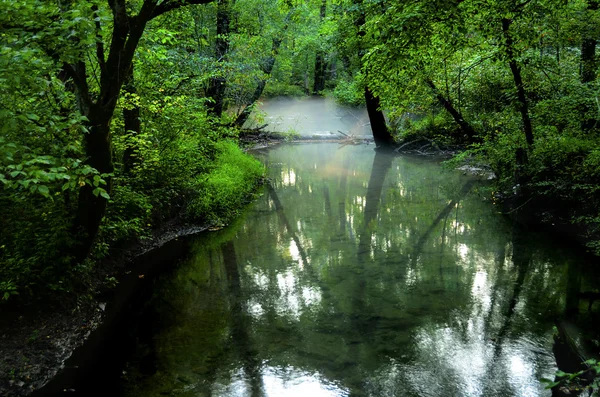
(355, 274)
(311, 116)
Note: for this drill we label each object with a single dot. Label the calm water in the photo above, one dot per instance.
(355, 274)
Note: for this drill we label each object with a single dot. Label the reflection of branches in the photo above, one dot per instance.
(443, 214)
(363, 321)
(500, 258)
(286, 222)
(342, 202)
(443, 246)
(381, 164)
(327, 200)
(240, 321)
(521, 259)
(573, 287)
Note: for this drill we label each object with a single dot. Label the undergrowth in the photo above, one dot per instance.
(222, 192)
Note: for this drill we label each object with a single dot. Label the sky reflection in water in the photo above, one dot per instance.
(356, 274)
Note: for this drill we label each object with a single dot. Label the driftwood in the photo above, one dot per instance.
(430, 148)
(255, 129)
(423, 147)
(407, 144)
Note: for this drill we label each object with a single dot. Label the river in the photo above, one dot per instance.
(355, 273)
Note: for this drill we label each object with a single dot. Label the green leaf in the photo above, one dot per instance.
(44, 190)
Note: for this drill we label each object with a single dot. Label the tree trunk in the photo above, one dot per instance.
(516, 72)
(133, 125)
(456, 115)
(589, 65)
(91, 208)
(381, 134)
(125, 36)
(320, 64)
(320, 67)
(218, 84)
(266, 67)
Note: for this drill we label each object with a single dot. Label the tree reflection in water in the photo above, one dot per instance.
(422, 302)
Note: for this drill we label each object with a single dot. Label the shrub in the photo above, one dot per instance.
(349, 93)
(222, 192)
(276, 88)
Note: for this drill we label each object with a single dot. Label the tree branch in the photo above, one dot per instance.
(99, 41)
(80, 81)
(169, 5)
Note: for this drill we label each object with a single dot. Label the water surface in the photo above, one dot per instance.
(355, 274)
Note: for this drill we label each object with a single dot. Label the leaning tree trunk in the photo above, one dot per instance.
(218, 84)
(589, 65)
(518, 79)
(381, 134)
(456, 115)
(266, 67)
(320, 64)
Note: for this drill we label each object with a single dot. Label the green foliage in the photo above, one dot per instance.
(43, 153)
(584, 381)
(222, 192)
(349, 92)
(452, 63)
(129, 215)
(7, 289)
(413, 55)
(437, 127)
(277, 88)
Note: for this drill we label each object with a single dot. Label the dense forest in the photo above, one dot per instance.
(119, 115)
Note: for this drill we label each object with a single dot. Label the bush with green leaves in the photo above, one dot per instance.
(435, 126)
(277, 88)
(349, 92)
(221, 193)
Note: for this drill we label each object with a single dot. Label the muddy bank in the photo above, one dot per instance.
(39, 341)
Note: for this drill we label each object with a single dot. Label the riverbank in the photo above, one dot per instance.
(37, 339)
(37, 336)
